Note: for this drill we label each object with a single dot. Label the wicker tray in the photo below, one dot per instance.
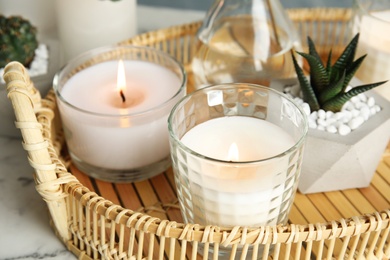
(97, 219)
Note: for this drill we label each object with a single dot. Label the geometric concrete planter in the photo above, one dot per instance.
(334, 162)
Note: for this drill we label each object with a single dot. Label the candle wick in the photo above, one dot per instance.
(122, 96)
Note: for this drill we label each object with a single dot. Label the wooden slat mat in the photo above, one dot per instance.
(157, 197)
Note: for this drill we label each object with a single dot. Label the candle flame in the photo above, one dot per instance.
(233, 152)
(121, 80)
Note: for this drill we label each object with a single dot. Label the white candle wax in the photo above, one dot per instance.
(238, 194)
(112, 134)
(88, 24)
(374, 42)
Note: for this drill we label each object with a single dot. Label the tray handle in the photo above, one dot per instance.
(27, 105)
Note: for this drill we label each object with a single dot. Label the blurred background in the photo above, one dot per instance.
(42, 13)
(204, 4)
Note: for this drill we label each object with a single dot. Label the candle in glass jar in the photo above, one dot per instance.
(237, 193)
(375, 43)
(117, 131)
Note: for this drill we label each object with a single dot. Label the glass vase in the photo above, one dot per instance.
(371, 18)
(248, 41)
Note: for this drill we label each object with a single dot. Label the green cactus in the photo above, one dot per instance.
(18, 40)
(328, 83)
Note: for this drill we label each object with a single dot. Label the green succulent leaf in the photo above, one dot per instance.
(329, 63)
(333, 90)
(308, 93)
(318, 75)
(351, 70)
(335, 104)
(345, 58)
(312, 49)
(327, 84)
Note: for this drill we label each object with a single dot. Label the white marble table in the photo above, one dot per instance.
(25, 232)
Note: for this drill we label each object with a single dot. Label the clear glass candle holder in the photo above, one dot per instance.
(115, 124)
(254, 187)
(371, 18)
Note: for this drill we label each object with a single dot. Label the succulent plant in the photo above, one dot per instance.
(18, 40)
(328, 83)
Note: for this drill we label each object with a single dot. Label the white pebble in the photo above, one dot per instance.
(331, 121)
(339, 115)
(355, 99)
(355, 113)
(314, 115)
(42, 53)
(347, 116)
(362, 97)
(306, 108)
(371, 102)
(377, 108)
(338, 123)
(329, 114)
(344, 129)
(320, 127)
(312, 123)
(360, 105)
(348, 106)
(331, 129)
(356, 122)
(321, 114)
(372, 111)
(365, 112)
(322, 122)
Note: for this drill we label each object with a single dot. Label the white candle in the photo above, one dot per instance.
(232, 194)
(105, 132)
(88, 24)
(213, 138)
(375, 42)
